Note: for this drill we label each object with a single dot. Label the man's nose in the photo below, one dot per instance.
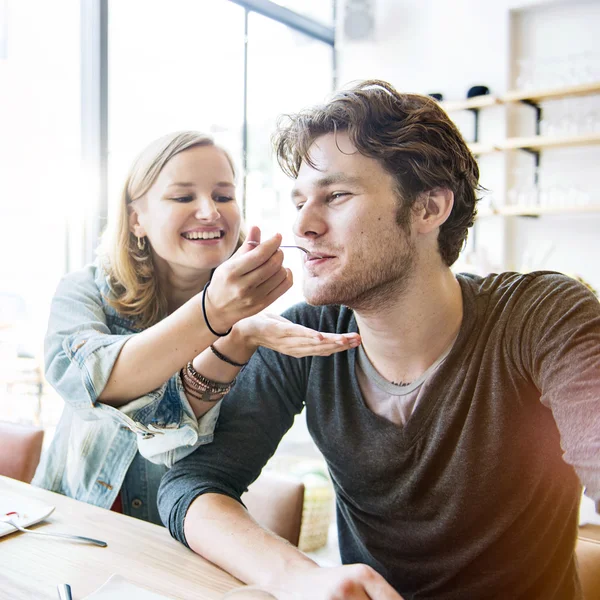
(309, 222)
(206, 209)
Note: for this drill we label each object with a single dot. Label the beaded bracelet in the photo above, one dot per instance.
(226, 359)
(204, 293)
(201, 387)
(204, 397)
(199, 382)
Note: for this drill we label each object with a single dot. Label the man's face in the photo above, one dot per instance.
(348, 212)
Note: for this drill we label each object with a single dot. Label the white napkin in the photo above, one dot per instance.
(30, 510)
(118, 588)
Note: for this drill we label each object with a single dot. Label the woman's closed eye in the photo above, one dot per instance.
(222, 198)
(183, 199)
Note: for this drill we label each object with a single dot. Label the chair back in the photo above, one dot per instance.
(275, 502)
(20, 450)
(588, 559)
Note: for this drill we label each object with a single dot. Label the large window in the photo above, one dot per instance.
(173, 65)
(39, 146)
(225, 67)
(41, 193)
(185, 64)
(320, 10)
(298, 75)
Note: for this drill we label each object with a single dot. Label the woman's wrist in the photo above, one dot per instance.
(209, 314)
(240, 344)
(236, 347)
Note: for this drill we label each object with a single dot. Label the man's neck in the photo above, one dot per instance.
(406, 337)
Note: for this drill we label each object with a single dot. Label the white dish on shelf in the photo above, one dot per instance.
(29, 511)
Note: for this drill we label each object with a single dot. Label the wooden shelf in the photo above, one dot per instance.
(479, 148)
(510, 210)
(583, 89)
(469, 103)
(541, 142)
(524, 211)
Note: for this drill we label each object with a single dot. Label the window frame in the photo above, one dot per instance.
(94, 98)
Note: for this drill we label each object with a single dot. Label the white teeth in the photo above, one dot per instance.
(202, 235)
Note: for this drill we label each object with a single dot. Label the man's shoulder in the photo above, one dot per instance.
(536, 292)
(328, 318)
(510, 282)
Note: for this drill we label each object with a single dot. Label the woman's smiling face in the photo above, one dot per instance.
(189, 215)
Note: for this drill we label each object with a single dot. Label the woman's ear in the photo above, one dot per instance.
(436, 206)
(134, 224)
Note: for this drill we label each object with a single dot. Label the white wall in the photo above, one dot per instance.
(442, 46)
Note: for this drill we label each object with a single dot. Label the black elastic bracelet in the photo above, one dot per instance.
(204, 313)
(226, 359)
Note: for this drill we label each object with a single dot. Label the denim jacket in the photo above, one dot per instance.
(99, 450)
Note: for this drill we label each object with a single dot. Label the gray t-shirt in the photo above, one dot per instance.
(393, 401)
(477, 496)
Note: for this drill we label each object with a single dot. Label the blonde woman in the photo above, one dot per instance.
(144, 343)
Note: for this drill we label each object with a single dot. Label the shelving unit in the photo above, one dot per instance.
(470, 103)
(477, 148)
(584, 89)
(543, 142)
(536, 211)
(532, 144)
(474, 105)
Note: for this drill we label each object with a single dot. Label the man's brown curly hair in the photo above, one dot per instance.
(410, 135)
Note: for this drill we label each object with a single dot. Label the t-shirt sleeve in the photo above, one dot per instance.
(555, 335)
(254, 416)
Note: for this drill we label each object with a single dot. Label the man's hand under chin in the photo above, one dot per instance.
(349, 582)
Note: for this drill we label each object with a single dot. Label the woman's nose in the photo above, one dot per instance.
(206, 210)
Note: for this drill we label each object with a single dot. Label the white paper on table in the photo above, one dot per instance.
(118, 588)
(29, 510)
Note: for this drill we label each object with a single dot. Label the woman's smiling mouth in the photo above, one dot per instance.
(203, 235)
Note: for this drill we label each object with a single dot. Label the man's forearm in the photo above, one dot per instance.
(221, 530)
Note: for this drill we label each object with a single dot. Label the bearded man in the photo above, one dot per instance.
(458, 434)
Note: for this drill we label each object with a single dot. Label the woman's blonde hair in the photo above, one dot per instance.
(135, 288)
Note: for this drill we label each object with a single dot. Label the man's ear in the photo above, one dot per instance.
(435, 207)
(134, 224)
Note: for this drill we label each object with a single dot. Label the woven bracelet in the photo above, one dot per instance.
(204, 292)
(226, 359)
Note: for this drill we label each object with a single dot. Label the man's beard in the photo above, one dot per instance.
(373, 288)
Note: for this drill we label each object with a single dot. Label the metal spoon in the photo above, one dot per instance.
(307, 252)
(67, 536)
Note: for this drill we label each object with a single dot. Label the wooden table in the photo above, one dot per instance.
(32, 566)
